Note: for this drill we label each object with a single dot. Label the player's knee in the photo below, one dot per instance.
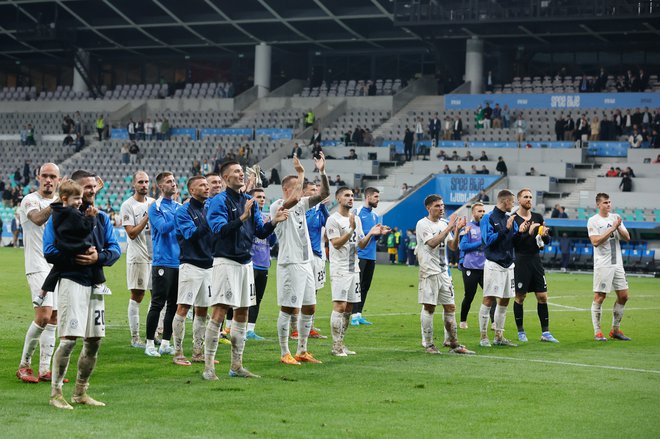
(622, 297)
(91, 346)
(520, 298)
(542, 298)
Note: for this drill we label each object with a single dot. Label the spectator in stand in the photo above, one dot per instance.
(656, 119)
(419, 129)
(131, 129)
(149, 130)
(501, 166)
(647, 119)
(372, 90)
(78, 124)
(459, 170)
(125, 155)
(435, 125)
(654, 142)
(479, 118)
(347, 138)
(629, 171)
(618, 122)
(484, 170)
(30, 135)
(368, 138)
(562, 212)
(483, 197)
(16, 230)
(447, 128)
(497, 116)
(565, 250)
(484, 157)
(458, 128)
(338, 181)
(6, 195)
(488, 114)
(165, 129)
(627, 123)
(316, 137)
(158, 125)
(26, 173)
(317, 150)
(643, 80)
(635, 139)
(68, 140)
(408, 140)
(133, 150)
(67, 125)
(521, 128)
(310, 118)
(296, 151)
(196, 168)
(601, 81)
(79, 142)
(405, 189)
(446, 170)
(17, 195)
(556, 211)
(506, 118)
(351, 155)
(560, 126)
(454, 156)
(139, 131)
(569, 127)
(612, 172)
(474, 169)
(244, 153)
(582, 130)
(274, 177)
(442, 156)
(637, 118)
(489, 81)
(468, 157)
(531, 172)
(595, 129)
(206, 167)
(618, 171)
(23, 135)
(358, 137)
(626, 183)
(100, 126)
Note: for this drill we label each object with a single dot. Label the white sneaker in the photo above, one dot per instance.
(463, 325)
(166, 350)
(151, 352)
(347, 351)
(209, 375)
(484, 343)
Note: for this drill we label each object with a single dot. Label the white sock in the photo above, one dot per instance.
(304, 328)
(46, 347)
(149, 344)
(134, 318)
(61, 362)
(198, 327)
(336, 324)
(426, 319)
(31, 340)
(238, 331)
(164, 344)
(500, 319)
(211, 343)
(617, 315)
(595, 316)
(283, 321)
(178, 332)
(251, 326)
(450, 328)
(484, 316)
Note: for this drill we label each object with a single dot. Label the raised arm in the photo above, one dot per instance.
(297, 192)
(325, 184)
(440, 237)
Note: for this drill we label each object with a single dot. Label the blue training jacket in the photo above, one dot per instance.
(471, 247)
(234, 237)
(103, 237)
(163, 233)
(369, 219)
(316, 219)
(496, 238)
(193, 234)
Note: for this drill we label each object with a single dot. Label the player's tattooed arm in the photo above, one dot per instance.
(440, 237)
(297, 192)
(39, 217)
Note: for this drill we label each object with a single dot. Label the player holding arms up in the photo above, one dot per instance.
(344, 231)
(434, 235)
(296, 287)
(497, 230)
(605, 232)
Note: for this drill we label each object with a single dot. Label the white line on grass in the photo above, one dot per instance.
(568, 307)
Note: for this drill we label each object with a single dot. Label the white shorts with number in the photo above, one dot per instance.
(295, 285)
(607, 279)
(318, 266)
(194, 286)
(81, 313)
(436, 289)
(232, 284)
(499, 281)
(138, 276)
(35, 282)
(346, 287)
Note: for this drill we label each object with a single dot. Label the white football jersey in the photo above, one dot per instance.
(292, 234)
(140, 249)
(33, 235)
(607, 254)
(432, 261)
(343, 260)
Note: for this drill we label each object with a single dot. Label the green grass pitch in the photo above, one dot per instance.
(578, 388)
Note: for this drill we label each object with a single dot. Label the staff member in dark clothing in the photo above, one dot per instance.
(235, 220)
(529, 273)
(497, 231)
(408, 144)
(196, 258)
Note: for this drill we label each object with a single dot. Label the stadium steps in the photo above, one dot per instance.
(418, 104)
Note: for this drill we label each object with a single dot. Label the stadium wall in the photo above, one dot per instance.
(573, 101)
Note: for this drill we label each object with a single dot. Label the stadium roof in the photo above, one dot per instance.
(112, 29)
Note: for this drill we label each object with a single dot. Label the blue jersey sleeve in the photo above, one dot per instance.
(185, 226)
(111, 251)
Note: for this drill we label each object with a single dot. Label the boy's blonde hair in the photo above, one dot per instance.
(70, 188)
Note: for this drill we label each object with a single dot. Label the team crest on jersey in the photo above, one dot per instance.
(189, 295)
(74, 324)
(228, 295)
(496, 288)
(294, 299)
(140, 282)
(602, 285)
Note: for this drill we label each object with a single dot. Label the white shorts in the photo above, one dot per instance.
(232, 284)
(194, 286)
(318, 266)
(436, 289)
(138, 276)
(81, 313)
(35, 282)
(295, 285)
(607, 279)
(346, 287)
(499, 281)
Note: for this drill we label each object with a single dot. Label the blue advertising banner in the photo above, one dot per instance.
(567, 101)
(246, 132)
